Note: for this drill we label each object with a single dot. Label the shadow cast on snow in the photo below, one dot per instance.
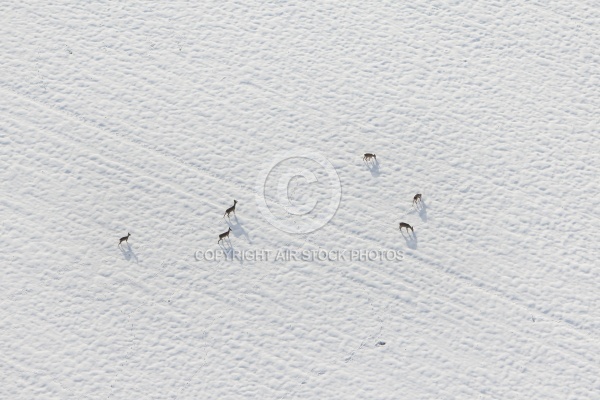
(229, 252)
(128, 253)
(422, 210)
(373, 167)
(411, 239)
(237, 229)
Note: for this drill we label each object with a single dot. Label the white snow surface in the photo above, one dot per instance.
(150, 118)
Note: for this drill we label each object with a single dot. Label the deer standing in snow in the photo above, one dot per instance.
(230, 209)
(224, 235)
(369, 156)
(124, 239)
(407, 226)
(417, 199)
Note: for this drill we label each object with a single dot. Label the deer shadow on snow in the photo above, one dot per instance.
(373, 167)
(229, 251)
(237, 229)
(411, 239)
(226, 246)
(128, 253)
(421, 208)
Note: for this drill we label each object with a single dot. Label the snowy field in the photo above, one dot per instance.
(151, 118)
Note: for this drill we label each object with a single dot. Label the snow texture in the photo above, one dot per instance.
(150, 118)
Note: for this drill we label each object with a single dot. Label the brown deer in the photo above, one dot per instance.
(407, 226)
(417, 199)
(224, 235)
(124, 238)
(369, 156)
(230, 209)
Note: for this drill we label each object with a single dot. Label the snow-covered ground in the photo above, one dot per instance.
(152, 118)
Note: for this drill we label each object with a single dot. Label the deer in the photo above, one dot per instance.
(407, 226)
(417, 199)
(230, 209)
(369, 156)
(124, 238)
(224, 235)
